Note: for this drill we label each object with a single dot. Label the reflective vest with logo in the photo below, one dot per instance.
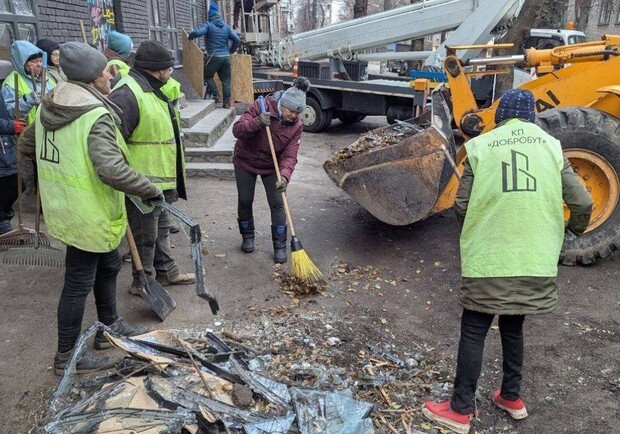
(80, 210)
(117, 66)
(514, 225)
(152, 146)
(24, 89)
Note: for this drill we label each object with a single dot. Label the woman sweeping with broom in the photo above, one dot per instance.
(265, 134)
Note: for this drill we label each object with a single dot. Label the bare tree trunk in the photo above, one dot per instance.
(516, 34)
(360, 8)
(582, 12)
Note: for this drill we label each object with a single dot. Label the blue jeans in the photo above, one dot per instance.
(474, 328)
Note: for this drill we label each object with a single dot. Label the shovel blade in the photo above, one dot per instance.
(156, 296)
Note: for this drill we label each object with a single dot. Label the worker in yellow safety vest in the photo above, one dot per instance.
(83, 176)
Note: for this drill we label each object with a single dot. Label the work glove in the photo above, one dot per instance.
(192, 35)
(150, 202)
(265, 119)
(32, 98)
(19, 126)
(282, 184)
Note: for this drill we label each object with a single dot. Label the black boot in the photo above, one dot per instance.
(226, 103)
(86, 362)
(246, 227)
(120, 327)
(278, 234)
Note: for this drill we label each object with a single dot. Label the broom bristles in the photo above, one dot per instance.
(303, 268)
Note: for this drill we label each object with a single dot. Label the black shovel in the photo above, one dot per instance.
(155, 295)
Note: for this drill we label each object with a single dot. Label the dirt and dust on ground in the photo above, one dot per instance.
(386, 326)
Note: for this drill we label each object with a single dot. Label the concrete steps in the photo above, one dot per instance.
(207, 131)
(214, 161)
(194, 111)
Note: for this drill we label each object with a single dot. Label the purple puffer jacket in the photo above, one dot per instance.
(252, 152)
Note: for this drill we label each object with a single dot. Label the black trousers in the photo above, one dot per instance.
(474, 328)
(86, 272)
(8, 196)
(246, 184)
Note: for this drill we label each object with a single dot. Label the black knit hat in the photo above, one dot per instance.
(48, 46)
(153, 56)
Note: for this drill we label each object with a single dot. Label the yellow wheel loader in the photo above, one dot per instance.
(407, 172)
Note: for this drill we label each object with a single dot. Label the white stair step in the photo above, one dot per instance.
(194, 111)
(208, 130)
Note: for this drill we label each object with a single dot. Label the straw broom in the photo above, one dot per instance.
(302, 267)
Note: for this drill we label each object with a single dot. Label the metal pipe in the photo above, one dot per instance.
(402, 55)
(498, 60)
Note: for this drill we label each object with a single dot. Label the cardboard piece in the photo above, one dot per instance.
(193, 64)
(241, 84)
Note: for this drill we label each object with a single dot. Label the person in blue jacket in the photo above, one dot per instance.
(8, 158)
(218, 50)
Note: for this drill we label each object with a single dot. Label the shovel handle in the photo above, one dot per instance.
(263, 109)
(135, 257)
(19, 157)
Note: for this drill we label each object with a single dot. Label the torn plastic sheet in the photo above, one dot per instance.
(273, 391)
(127, 419)
(170, 395)
(336, 412)
(64, 387)
(280, 425)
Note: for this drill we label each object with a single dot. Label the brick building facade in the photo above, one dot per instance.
(59, 20)
(603, 17)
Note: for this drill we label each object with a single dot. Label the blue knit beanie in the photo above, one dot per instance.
(119, 43)
(213, 9)
(516, 103)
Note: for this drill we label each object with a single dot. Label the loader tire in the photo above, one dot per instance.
(591, 141)
(349, 117)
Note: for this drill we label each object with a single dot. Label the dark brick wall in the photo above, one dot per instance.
(60, 19)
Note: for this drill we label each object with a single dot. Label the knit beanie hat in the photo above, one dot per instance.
(48, 46)
(37, 55)
(153, 56)
(516, 103)
(294, 98)
(213, 9)
(119, 43)
(81, 62)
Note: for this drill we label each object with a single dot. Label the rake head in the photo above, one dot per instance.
(27, 256)
(23, 238)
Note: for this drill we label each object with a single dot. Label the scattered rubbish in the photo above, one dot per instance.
(378, 139)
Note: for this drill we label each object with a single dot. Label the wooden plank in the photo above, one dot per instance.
(242, 88)
(193, 64)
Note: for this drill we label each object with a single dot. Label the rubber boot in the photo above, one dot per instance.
(246, 227)
(278, 234)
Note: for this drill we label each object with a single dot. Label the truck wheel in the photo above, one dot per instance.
(314, 118)
(349, 117)
(591, 141)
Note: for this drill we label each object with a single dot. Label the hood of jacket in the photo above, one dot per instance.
(217, 21)
(21, 51)
(70, 100)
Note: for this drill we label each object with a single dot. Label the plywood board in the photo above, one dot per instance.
(193, 64)
(242, 88)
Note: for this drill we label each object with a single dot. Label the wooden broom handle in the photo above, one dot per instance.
(133, 249)
(275, 165)
(19, 156)
(37, 218)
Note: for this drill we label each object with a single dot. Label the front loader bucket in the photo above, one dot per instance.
(397, 172)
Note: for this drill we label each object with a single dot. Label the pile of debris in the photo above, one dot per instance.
(287, 373)
(378, 139)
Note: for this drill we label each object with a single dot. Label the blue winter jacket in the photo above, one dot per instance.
(217, 34)
(20, 52)
(8, 157)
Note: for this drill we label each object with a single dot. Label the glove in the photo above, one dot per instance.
(19, 126)
(159, 197)
(33, 98)
(192, 35)
(281, 185)
(265, 119)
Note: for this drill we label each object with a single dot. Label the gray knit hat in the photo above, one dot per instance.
(81, 62)
(294, 98)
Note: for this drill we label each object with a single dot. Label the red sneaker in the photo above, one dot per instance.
(442, 414)
(516, 409)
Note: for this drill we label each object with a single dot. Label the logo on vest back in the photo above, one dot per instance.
(49, 151)
(514, 174)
